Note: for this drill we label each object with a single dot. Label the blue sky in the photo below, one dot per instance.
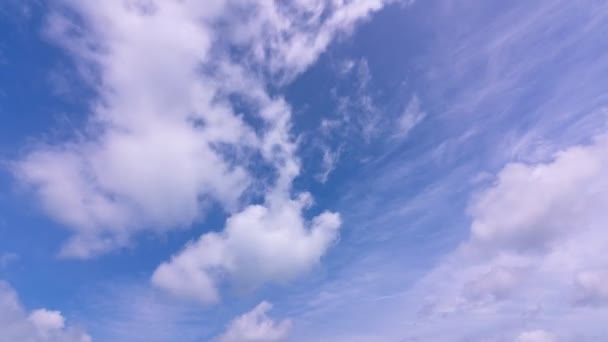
(306, 171)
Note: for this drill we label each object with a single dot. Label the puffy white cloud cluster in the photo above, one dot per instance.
(39, 325)
(285, 38)
(258, 244)
(256, 326)
(164, 138)
(535, 250)
(149, 158)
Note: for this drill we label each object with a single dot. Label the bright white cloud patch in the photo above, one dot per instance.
(260, 243)
(46, 320)
(531, 205)
(256, 326)
(148, 160)
(163, 139)
(533, 250)
(40, 325)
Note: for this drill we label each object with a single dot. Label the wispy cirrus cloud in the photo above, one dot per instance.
(258, 244)
(521, 151)
(532, 234)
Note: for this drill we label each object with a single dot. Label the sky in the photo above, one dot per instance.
(311, 170)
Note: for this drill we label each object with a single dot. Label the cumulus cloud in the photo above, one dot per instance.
(531, 205)
(288, 38)
(40, 325)
(534, 254)
(261, 243)
(546, 211)
(148, 158)
(47, 321)
(535, 241)
(163, 139)
(256, 326)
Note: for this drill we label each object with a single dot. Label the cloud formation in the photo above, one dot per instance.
(40, 325)
(163, 139)
(259, 244)
(182, 120)
(535, 234)
(149, 158)
(256, 326)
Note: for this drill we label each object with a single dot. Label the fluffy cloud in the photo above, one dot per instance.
(148, 158)
(163, 139)
(546, 217)
(256, 326)
(261, 243)
(532, 205)
(40, 325)
(535, 248)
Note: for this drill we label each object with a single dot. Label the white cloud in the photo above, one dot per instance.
(256, 326)
(523, 262)
(163, 139)
(358, 118)
(534, 253)
(412, 115)
(40, 325)
(259, 244)
(328, 163)
(144, 161)
(288, 38)
(530, 205)
(535, 336)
